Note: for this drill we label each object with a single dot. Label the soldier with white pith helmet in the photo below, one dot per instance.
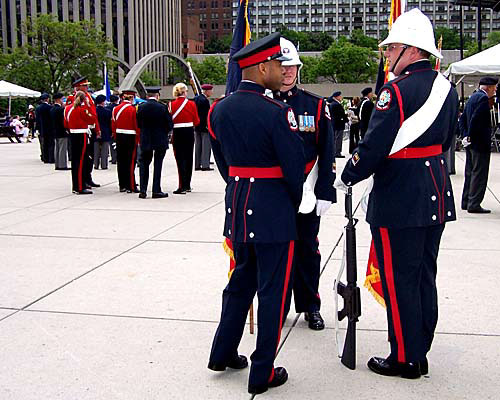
(315, 129)
(411, 200)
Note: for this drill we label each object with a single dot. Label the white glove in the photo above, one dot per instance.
(340, 185)
(466, 141)
(322, 207)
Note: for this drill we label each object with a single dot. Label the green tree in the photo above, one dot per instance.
(211, 70)
(345, 62)
(358, 38)
(217, 45)
(451, 38)
(307, 41)
(149, 78)
(309, 72)
(55, 53)
(493, 39)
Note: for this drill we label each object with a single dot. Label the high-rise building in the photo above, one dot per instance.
(215, 17)
(135, 27)
(192, 34)
(340, 17)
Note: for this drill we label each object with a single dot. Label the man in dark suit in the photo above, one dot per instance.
(365, 110)
(202, 138)
(339, 119)
(475, 123)
(60, 133)
(101, 145)
(155, 123)
(44, 126)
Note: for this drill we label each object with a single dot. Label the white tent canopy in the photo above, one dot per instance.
(10, 90)
(486, 62)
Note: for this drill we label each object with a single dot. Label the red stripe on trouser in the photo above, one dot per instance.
(389, 277)
(283, 297)
(80, 166)
(132, 168)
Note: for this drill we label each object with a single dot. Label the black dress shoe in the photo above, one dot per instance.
(478, 210)
(123, 190)
(160, 195)
(179, 191)
(239, 362)
(316, 322)
(93, 184)
(85, 191)
(133, 190)
(279, 378)
(382, 366)
(207, 169)
(143, 195)
(424, 366)
(188, 190)
(197, 169)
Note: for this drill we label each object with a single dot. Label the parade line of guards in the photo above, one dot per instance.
(149, 125)
(274, 147)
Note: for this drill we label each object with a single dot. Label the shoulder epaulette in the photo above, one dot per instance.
(278, 103)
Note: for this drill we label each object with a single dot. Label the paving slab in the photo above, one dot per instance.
(316, 372)
(50, 356)
(39, 264)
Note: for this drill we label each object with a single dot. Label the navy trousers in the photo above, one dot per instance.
(407, 260)
(307, 264)
(265, 269)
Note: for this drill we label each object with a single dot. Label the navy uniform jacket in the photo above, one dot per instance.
(318, 138)
(248, 129)
(365, 112)
(411, 192)
(154, 121)
(339, 119)
(475, 122)
(203, 106)
(57, 117)
(43, 120)
(104, 117)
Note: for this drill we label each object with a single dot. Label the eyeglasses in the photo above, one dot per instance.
(393, 47)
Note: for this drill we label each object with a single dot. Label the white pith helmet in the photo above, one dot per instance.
(288, 49)
(414, 29)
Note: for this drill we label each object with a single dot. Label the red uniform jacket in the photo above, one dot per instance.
(188, 116)
(124, 120)
(78, 119)
(92, 110)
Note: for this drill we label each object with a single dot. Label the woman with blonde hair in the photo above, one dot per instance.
(77, 119)
(185, 117)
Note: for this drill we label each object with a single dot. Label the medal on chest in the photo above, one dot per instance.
(306, 123)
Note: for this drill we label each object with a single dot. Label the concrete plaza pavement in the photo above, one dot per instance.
(109, 296)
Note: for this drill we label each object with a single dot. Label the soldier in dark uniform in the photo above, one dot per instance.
(260, 156)
(201, 135)
(475, 123)
(45, 129)
(114, 101)
(155, 124)
(60, 133)
(315, 129)
(365, 110)
(412, 197)
(339, 119)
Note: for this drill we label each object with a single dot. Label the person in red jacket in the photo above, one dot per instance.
(185, 117)
(77, 118)
(126, 134)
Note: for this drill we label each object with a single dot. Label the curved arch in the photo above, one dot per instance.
(126, 68)
(135, 72)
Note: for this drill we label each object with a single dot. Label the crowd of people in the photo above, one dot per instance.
(88, 131)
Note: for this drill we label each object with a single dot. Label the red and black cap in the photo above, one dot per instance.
(266, 49)
(81, 81)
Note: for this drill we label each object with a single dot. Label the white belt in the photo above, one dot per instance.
(183, 125)
(126, 131)
(78, 130)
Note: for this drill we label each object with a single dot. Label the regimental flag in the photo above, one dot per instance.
(106, 86)
(372, 281)
(241, 37)
(438, 60)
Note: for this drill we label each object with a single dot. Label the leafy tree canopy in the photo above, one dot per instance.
(55, 53)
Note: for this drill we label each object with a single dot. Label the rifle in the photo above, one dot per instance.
(349, 292)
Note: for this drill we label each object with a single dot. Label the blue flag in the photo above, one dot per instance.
(241, 37)
(106, 86)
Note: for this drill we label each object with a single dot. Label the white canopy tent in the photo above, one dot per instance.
(486, 62)
(10, 90)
